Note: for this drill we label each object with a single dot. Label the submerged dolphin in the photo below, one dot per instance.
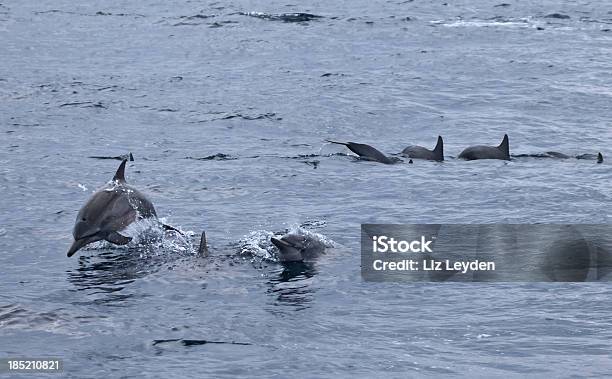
(554, 154)
(419, 152)
(367, 152)
(488, 152)
(109, 210)
(298, 248)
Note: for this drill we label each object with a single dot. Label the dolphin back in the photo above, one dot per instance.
(502, 151)
(368, 152)
(419, 152)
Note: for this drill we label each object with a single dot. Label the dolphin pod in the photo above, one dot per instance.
(117, 204)
(501, 151)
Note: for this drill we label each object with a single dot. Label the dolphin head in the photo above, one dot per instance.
(88, 226)
(298, 247)
(288, 252)
(79, 243)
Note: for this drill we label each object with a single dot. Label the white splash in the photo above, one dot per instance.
(526, 22)
(258, 246)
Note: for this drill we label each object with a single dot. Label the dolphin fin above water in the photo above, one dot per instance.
(203, 248)
(419, 152)
(120, 174)
(587, 156)
(504, 146)
(438, 150)
(501, 151)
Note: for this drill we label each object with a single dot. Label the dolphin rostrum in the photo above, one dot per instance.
(298, 248)
(367, 152)
(488, 152)
(419, 152)
(108, 211)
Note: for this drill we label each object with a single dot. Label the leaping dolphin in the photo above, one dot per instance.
(367, 152)
(108, 211)
(298, 248)
(488, 152)
(419, 152)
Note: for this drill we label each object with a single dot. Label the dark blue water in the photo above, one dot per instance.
(176, 82)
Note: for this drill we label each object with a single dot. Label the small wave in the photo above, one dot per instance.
(314, 224)
(597, 21)
(249, 117)
(75, 103)
(198, 17)
(17, 316)
(284, 17)
(98, 13)
(269, 116)
(314, 164)
(214, 157)
(127, 156)
(497, 21)
(197, 342)
(85, 104)
(107, 276)
(558, 16)
(328, 74)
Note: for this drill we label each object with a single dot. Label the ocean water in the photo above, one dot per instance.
(226, 107)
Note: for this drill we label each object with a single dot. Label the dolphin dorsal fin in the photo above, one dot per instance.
(120, 174)
(504, 146)
(439, 149)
